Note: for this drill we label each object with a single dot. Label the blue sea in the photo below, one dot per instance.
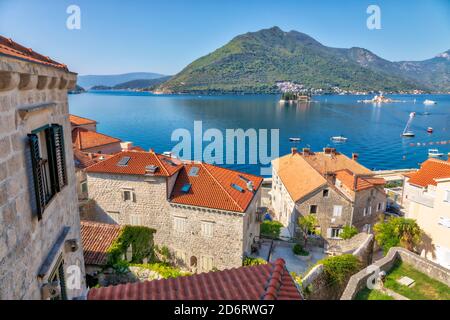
(373, 131)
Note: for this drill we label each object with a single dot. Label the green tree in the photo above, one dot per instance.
(348, 232)
(397, 232)
(308, 225)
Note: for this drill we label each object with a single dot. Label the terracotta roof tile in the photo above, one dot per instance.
(85, 159)
(97, 238)
(137, 163)
(302, 174)
(270, 281)
(84, 139)
(429, 171)
(348, 179)
(213, 180)
(15, 50)
(79, 121)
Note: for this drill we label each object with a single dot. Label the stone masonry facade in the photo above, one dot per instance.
(232, 232)
(31, 96)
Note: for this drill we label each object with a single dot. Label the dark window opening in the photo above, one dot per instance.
(325, 193)
(313, 209)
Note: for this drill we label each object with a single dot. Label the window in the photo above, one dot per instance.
(128, 195)
(325, 193)
(447, 195)
(370, 210)
(135, 220)
(57, 275)
(364, 212)
(367, 228)
(84, 188)
(444, 222)
(337, 211)
(379, 206)
(206, 263)
(207, 229)
(179, 224)
(334, 232)
(313, 209)
(48, 164)
(180, 256)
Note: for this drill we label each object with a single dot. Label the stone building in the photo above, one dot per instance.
(206, 215)
(335, 188)
(40, 248)
(81, 122)
(426, 198)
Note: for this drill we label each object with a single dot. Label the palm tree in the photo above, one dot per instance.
(409, 232)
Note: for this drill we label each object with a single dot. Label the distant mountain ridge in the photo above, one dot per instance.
(138, 84)
(255, 61)
(88, 81)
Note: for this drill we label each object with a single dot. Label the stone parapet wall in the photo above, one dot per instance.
(359, 280)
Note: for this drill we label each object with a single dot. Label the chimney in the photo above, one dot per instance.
(306, 151)
(293, 151)
(151, 150)
(126, 146)
(448, 157)
(355, 156)
(90, 156)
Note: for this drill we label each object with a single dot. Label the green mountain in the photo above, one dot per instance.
(141, 83)
(255, 61)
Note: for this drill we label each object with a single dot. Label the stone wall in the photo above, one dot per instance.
(359, 281)
(315, 285)
(31, 96)
(232, 236)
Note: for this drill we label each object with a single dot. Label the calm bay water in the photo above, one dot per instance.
(372, 131)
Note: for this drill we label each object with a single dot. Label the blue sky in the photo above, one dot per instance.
(165, 36)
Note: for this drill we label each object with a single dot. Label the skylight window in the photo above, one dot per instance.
(169, 162)
(244, 179)
(186, 188)
(123, 162)
(193, 172)
(235, 186)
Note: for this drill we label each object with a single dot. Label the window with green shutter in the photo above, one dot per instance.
(48, 164)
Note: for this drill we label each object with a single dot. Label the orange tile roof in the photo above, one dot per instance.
(348, 179)
(15, 50)
(79, 121)
(303, 174)
(96, 239)
(212, 188)
(85, 159)
(137, 163)
(84, 139)
(271, 281)
(429, 171)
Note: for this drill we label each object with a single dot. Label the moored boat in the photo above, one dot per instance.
(434, 153)
(429, 102)
(430, 130)
(340, 138)
(295, 139)
(406, 131)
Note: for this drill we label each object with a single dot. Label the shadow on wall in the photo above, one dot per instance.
(427, 247)
(91, 211)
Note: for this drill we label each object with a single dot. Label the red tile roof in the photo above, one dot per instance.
(84, 139)
(211, 188)
(96, 239)
(85, 159)
(137, 163)
(264, 282)
(15, 50)
(79, 121)
(429, 171)
(348, 179)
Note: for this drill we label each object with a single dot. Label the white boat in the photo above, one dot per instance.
(434, 153)
(339, 139)
(406, 131)
(295, 139)
(429, 102)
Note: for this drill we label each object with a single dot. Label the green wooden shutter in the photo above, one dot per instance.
(37, 174)
(59, 157)
(51, 156)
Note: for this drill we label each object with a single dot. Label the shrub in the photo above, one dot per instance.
(348, 232)
(250, 261)
(339, 268)
(397, 232)
(140, 239)
(271, 229)
(165, 270)
(298, 250)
